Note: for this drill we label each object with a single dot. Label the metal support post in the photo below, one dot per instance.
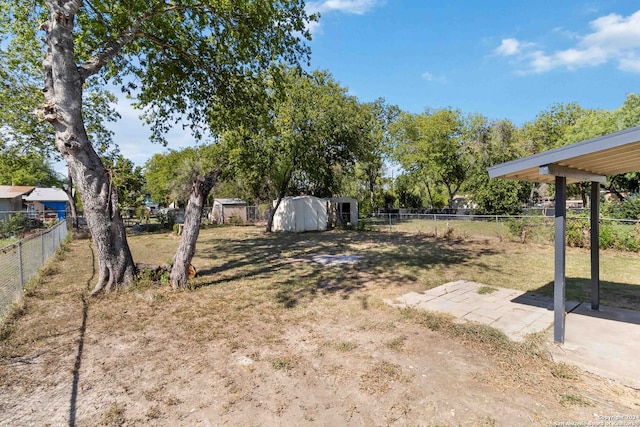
(595, 245)
(560, 260)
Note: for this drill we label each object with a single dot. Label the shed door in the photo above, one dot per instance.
(345, 212)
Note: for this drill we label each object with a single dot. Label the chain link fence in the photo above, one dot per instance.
(20, 261)
(622, 234)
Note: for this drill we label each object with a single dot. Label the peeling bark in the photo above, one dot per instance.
(63, 109)
(200, 189)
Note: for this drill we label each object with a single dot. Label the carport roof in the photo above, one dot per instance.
(584, 161)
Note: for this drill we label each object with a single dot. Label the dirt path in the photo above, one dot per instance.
(233, 354)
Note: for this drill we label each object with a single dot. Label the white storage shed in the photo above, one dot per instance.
(301, 213)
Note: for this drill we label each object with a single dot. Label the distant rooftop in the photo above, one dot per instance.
(47, 195)
(13, 191)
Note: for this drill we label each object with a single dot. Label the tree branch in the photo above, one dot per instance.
(158, 41)
(94, 64)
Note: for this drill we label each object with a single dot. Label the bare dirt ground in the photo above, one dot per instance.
(267, 337)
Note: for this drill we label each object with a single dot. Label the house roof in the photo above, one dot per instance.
(607, 155)
(13, 191)
(47, 195)
(233, 201)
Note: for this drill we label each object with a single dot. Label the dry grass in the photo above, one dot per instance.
(267, 336)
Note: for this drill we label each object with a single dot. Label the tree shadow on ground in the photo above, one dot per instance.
(286, 261)
(612, 294)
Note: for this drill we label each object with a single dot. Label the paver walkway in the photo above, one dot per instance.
(516, 313)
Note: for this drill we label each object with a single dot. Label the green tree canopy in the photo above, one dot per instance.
(433, 145)
(202, 63)
(312, 137)
(31, 168)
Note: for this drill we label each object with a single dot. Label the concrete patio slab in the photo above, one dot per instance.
(514, 312)
(604, 342)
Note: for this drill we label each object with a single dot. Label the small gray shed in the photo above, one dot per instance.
(229, 211)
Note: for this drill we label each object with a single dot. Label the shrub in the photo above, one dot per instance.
(166, 219)
(607, 236)
(578, 231)
(627, 209)
(521, 227)
(235, 220)
(13, 226)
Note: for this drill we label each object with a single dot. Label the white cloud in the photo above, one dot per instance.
(508, 47)
(614, 38)
(357, 7)
(630, 63)
(430, 77)
(354, 7)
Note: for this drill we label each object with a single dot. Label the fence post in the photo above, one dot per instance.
(41, 248)
(20, 266)
(497, 227)
(435, 224)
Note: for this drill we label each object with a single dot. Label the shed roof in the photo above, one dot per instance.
(13, 191)
(603, 156)
(47, 195)
(231, 201)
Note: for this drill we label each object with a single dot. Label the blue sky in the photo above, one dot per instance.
(502, 59)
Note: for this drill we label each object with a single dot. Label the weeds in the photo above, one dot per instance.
(483, 290)
(378, 379)
(396, 343)
(114, 415)
(345, 346)
(283, 364)
(564, 371)
(574, 400)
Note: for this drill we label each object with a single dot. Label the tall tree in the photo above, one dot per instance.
(161, 172)
(190, 59)
(500, 141)
(314, 134)
(126, 177)
(378, 146)
(596, 123)
(548, 129)
(433, 145)
(30, 168)
(202, 180)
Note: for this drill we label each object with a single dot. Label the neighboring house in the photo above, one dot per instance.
(301, 213)
(229, 211)
(11, 199)
(48, 202)
(463, 203)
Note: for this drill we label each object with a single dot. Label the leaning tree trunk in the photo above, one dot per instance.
(372, 188)
(281, 193)
(72, 202)
(63, 109)
(200, 189)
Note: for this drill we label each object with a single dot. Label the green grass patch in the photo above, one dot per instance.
(345, 346)
(396, 343)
